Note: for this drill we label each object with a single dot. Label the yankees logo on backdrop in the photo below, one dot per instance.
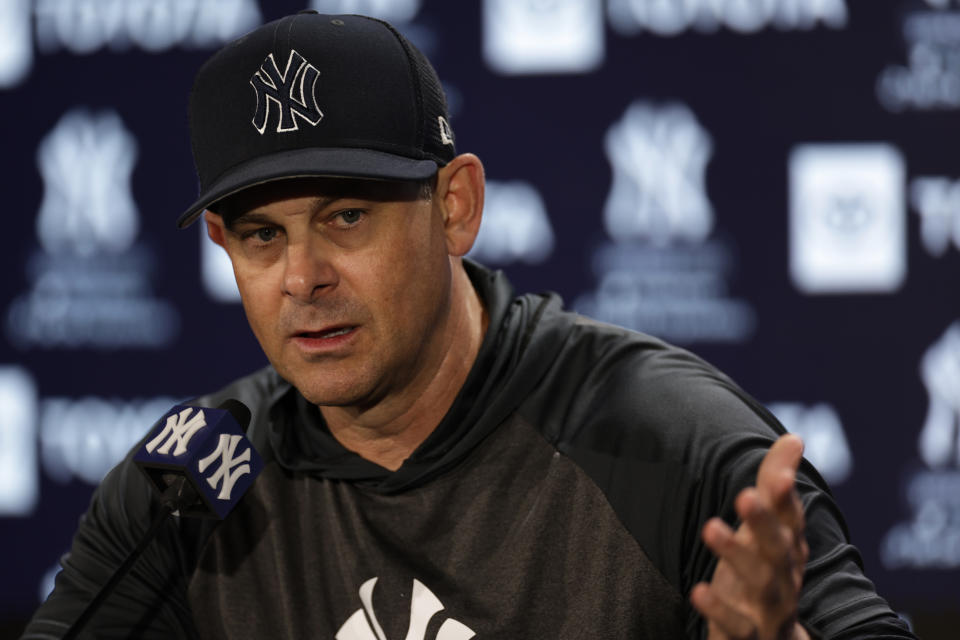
(292, 92)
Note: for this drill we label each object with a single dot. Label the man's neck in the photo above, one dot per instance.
(390, 431)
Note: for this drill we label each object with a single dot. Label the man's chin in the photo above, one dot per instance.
(324, 396)
(343, 394)
(327, 383)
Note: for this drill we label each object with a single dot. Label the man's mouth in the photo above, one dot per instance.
(327, 333)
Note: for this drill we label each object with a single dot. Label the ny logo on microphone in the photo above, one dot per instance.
(209, 448)
(225, 450)
(292, 91)
(179, 428)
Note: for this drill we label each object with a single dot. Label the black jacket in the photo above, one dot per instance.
(562, 496)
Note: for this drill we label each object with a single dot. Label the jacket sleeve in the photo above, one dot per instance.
(150, 601)
(679, 441)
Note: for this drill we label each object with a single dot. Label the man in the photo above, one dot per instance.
(443, 459)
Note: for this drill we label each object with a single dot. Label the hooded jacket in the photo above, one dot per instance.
(562, 496)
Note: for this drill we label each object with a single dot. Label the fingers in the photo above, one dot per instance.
(725, 620)
(776, 481)
(756, 585)
(773, 537)
(779, 467)
(755, 588)
(765, 562)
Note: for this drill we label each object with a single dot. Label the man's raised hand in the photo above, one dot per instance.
(756, 586)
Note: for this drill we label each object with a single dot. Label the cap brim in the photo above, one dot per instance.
(309, 163)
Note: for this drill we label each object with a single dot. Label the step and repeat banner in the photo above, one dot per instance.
(774, 184)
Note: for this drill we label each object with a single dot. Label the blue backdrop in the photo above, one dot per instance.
(771, 183)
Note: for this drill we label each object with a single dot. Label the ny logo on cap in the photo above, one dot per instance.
(291, 91)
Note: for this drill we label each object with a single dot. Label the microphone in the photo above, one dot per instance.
(201, 463)
(206, 453)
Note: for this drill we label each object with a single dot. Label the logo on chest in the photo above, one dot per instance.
(364, 625)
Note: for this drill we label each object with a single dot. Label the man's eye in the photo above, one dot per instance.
(350, 216)
(265, 234)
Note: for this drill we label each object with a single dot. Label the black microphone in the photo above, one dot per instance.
(201, 463)
(207, 453)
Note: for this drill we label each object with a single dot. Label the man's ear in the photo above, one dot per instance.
(459, 194)
(215, 228)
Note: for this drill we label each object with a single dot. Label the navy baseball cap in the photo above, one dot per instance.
(313, 95)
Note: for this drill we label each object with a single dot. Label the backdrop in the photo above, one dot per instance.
(773, 184)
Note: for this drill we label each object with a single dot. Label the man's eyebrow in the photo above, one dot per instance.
(251, 217)
(257, 217)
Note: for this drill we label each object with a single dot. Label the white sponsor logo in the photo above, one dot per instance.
(292, 91)
(84, 26)
(662, 274)
(937, 200)
(940, 372)
(671, 17)
(363, 624)
(675, 293)
(19, 477)
(390, 10)
(847, 218)
(231, 467)
(88, 207)
(930, 80)
(515, 225)
(537, 36)
(16, 49)
(91, 284)
(178, 429)
(932, 538)
(825, 444)
(659, 156)
(84, 438)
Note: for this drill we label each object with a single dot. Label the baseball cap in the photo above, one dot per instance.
(315, 95)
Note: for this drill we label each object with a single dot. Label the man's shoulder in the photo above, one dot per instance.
(633, 387)
(666, 436)
(611, 362)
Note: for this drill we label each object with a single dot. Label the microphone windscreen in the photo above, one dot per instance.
(207, 447)
(238, 410)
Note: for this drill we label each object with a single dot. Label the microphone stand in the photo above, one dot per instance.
(178, 495)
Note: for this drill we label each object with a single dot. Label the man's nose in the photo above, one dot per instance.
(308, 272)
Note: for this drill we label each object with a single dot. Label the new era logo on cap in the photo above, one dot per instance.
(291, 91)
(446, 133)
